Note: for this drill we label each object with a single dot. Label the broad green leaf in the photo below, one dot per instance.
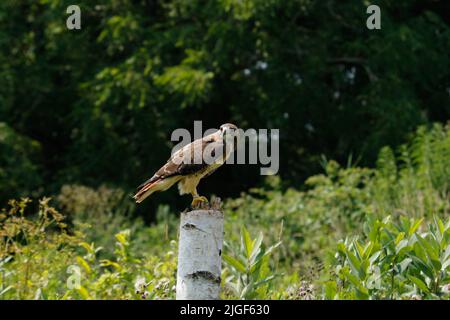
(429, 250)
(404, 264)
(401, 245)
(234, 263)
(364, 266)
(419, 251)
(358, 284)
(422, 286)
(330, 290)
(355, 264)
(353, 279)
(422, 266)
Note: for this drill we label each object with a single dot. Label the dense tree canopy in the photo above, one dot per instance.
(98, 105)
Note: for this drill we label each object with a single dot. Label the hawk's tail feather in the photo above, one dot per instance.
(144, 191)
(160, 184)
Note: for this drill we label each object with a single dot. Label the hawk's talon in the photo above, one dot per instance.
(198, 201)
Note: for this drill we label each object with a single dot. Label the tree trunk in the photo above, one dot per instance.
(199, 255)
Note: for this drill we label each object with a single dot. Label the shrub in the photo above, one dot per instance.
(250, 273)
(394, 261)
(41, 259)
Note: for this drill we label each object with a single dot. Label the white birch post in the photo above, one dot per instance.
(200, 255)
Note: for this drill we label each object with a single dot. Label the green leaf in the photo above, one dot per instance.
(234, 263)
(123, 236)
(446, 253)
(375, 256)
(271, 248)
(422, 286)
(404, 264)
(5, 290)
(84, 264)
(355, 264)
(84, 293)
(368, 249)
(247, 241)
(256, 247)
(109, 263)
(445, 264)
(330, 290)
(353, 279)
(359, 250)
(401, 245)
(341, 247)
(415, 226)
(422, 266)
(440, 225)
(429, 250)
(88, 247)
(361, 290)
(399, 238)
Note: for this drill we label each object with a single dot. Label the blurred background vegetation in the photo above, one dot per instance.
(86, 115)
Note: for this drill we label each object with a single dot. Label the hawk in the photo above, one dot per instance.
(190, 164)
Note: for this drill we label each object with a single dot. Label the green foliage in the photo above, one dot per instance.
(101, 102)
(394, 261)
(105, 211)
(34, 252)
(338, 202)
(126, 275)
(19, 163)
(250, 271)
(39, 259)
(87, 115)
(394, 220)
(421, 171)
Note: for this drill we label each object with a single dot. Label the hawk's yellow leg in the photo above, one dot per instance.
(197, 200)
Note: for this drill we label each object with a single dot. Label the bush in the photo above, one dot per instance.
(410, 183)
(41, 259)
(102, 212)
(250, 274)
(394, 261)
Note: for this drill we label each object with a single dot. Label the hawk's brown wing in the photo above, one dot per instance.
(183, 161)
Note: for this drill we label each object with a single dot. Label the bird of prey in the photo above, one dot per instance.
(190, 164)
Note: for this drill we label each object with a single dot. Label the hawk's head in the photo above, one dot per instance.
(229, 131)
(228, 128)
